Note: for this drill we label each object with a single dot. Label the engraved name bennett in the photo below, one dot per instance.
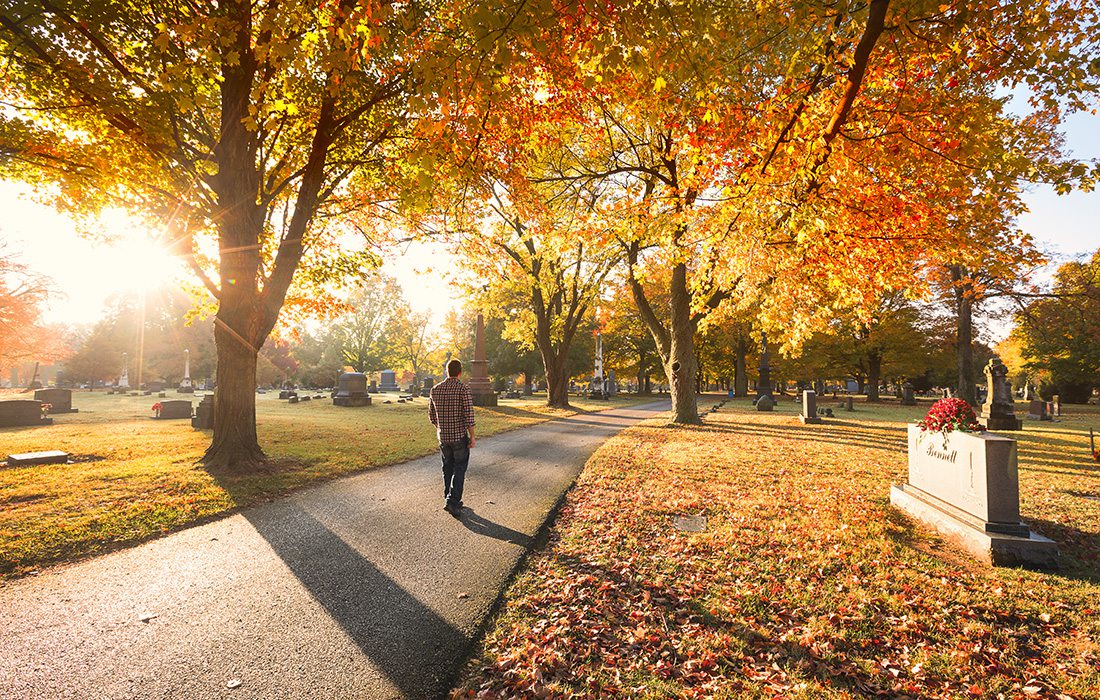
(942, 454)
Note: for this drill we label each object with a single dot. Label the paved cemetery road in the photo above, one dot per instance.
(359, 588)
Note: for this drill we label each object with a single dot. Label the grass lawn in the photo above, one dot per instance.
(805, 583)
(137, 477)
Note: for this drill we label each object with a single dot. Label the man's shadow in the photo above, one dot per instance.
(480, 526)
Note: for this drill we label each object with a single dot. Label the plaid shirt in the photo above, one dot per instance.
(451, 410)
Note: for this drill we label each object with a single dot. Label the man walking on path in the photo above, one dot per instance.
(451, 411)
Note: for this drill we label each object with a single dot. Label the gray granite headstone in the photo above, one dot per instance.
(22, 412)
(174, 409)
(351, 390)
(809, 407)
(60, 400)
(388, 381)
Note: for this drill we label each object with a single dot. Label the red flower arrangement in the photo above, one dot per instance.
(45, 408)
(950, 414)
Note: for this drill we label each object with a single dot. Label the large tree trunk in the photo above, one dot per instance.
(874, 370)
(235, 444)
(557, 381)
(237, 325)
(741, 376)
(964, 342)
(680, 366)
(528, 380)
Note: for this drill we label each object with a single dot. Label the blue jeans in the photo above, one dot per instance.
(456, 456)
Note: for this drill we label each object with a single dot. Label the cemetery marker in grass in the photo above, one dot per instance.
(964, 483)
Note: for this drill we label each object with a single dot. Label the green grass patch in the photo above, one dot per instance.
(806, 583)
(136, 477)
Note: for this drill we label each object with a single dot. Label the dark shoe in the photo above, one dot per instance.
(453, 509)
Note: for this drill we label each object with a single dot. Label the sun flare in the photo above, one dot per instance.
(144, 261)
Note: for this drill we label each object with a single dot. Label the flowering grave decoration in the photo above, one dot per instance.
(947, 415)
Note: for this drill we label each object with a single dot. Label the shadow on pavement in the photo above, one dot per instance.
(480, 526)
(408, 642)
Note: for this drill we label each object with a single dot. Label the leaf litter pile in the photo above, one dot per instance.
(804, 584)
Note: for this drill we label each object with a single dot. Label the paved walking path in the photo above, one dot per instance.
(359, 588)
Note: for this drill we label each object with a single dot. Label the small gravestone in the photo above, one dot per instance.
(1056, 406)
(764, 399)
(373, 388)
(427, 384)
(161, 395)
(155, 386)
(849, 404)
(389, 381)
(967, 486)
(173, 410)
(907, 397)
(60, 400)
(1038, 410)
(351, 390)
(999, 409)
(306, 398)
(809, 407)
(27, 459)
(690, 523)
(293, 399)
(22, 412)
(204, 414)
(287, 394)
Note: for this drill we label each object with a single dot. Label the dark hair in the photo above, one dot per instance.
(454, 368)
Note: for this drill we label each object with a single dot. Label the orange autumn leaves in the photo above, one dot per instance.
(803, 584)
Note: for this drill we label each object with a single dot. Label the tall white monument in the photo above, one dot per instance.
(185, 386)
(124, 380)
(599, 382)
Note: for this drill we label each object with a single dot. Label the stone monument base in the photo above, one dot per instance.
(489, 399)
(1002, 423)
(354, 401)
(993, 543)
(809, 419)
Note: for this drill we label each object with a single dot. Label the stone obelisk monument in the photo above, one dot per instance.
(599, 381)
(480, 387)
(124, 380)
(185, 386)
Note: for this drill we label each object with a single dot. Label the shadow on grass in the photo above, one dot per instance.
(888, 439)
(1080, 549)
(619, 592)
(415, 648)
